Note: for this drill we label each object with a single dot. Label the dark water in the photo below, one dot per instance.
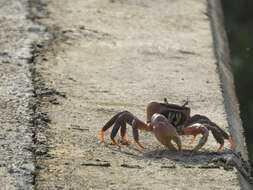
(239, 26)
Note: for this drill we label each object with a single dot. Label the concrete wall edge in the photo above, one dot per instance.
(222, 54)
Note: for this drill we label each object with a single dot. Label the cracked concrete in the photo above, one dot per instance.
(16, 158)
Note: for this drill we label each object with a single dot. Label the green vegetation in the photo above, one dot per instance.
(239, 26)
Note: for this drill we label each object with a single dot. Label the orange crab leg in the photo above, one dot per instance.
(123, 133)
(140, 144)
(137, 124)
(195, 130)
(193, 139)
(116, 143)
(102, 135)
(109, 124)
(231, 142)
(126, 140)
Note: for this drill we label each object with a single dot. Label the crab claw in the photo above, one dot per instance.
(165, 132)
(193, 139)
(218, 133)
(205, 133)
(194, 130)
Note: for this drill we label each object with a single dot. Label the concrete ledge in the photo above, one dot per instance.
(120, 55)
(105, 56)
(227, 81)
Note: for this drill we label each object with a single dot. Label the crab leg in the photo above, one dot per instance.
(138, 124)
(193, 139)
(219, 134)
(119, 121)
(115, 129)
(123, 133)
(231, 142)
(195, 130)
(165, 132)
(109, 124)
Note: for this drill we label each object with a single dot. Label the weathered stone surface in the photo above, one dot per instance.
(105, 56)
(17, 34)
(16, 160)
(109, 56)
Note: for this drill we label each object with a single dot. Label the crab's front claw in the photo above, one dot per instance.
(165, 132)
(195, 130)
(204, 131)
(193, 139)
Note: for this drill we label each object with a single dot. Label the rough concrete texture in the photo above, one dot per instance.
(17, 33)
(227, 84)
(105, 56)
(109, 56)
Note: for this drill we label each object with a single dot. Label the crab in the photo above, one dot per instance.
(168, 122)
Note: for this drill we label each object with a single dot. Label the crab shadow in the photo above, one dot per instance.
(184, 157)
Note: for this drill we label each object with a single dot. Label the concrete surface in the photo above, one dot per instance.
(16, 130)
(221, 51)
(68, 66)
(109, 56)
